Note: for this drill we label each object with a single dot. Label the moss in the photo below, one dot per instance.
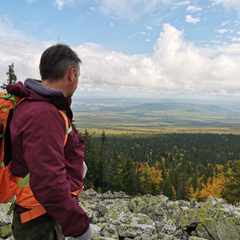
(5, 231)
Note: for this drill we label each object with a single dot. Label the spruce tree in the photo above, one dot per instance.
(12, 78)
(231, 190)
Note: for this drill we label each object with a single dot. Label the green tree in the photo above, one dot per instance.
(12, 78)
(231, 190)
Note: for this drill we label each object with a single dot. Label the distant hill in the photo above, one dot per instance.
(120, 113)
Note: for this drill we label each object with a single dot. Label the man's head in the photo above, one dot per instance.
(60, 68)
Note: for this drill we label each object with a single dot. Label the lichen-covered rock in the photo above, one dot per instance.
(163, 236)
(5, 231)
(5, 221)
(196, 238)
(215, 220)
(136, 225)
(4, 216)
(115, 215)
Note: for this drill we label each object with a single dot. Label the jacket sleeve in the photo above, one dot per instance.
(43, 147)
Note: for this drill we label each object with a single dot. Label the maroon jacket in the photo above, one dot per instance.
(37, 136)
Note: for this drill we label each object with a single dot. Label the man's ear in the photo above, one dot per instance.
(71, 73)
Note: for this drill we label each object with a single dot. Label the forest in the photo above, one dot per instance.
(180, 166)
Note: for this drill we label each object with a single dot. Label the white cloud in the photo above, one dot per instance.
(112, 24)
(225, 23)
(150, 28)
(191, 19)
(176, 66)
(62, 3)
(227, 3)
(128, 9)
(124, 8)
(183, 3)
(15, 47)
(222, 30)
(235, 39)
(132, 9)
(193, 9)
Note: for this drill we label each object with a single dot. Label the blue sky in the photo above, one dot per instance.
(76, 22)
(143, 47)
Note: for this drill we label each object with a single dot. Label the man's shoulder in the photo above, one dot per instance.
(33, 108)
(34, 111)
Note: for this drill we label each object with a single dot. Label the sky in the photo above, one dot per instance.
(130, 48)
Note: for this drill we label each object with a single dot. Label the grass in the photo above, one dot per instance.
(126, 131)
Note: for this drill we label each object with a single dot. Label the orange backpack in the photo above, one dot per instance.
(8, 182)
(10, 185)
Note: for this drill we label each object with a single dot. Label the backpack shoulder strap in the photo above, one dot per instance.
(20, 101)
(62, 113)
(67, 124)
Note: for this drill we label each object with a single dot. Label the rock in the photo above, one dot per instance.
(9, 238)
(110, 231)
(216, 221)
(95, 230)
(108, 195)
(120, 195)
(5, 231)
(163, 236)
(136, 225)
(197, 238)
(104, 238)
(5, 221)
(88, 194)
(4, 217)
(115, 215)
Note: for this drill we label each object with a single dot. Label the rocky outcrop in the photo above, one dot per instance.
(5, 222)
(118, 216)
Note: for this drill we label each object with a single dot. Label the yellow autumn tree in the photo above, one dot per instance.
(213, 187)
(149, 178)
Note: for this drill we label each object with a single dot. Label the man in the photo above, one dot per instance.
(55, 166)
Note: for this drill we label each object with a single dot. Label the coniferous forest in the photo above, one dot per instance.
(181, 166)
